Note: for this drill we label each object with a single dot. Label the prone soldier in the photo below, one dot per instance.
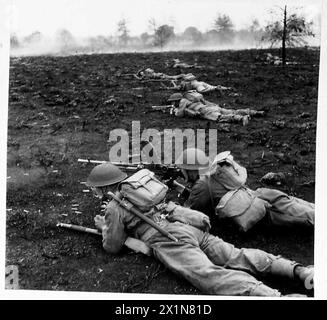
(223, 191)
(209, 263)
(193, 104)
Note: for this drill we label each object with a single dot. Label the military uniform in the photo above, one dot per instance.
(151, 74)
(195, 103)
(199, 86)
(210, 264)
(281, 209)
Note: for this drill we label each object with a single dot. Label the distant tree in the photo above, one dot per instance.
(211, 36)
(192, 34)
(255, 26)
(14, 42)
(123, 32)
(99, 43)
(163, 34)
(65, 39)
(223, 23)
(289, 31)
(34, 37)
(255, 31)
(225, 27)
(145, 38)
(153, 26)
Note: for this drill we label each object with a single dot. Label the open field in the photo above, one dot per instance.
(63, 108)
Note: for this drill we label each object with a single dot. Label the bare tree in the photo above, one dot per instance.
(153, 25)
(289, 31)
(14, 42)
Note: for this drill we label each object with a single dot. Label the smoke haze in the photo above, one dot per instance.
(64, 43)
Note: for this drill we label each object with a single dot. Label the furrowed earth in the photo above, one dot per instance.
(63, 108)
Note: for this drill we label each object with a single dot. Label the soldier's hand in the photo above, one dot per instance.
(99, 222)
(104, 205)
(173, 111)
(207, 225)
(169, 183)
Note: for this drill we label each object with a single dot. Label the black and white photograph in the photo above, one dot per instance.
(162, 148)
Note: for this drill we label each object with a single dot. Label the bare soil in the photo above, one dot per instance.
(63, 108)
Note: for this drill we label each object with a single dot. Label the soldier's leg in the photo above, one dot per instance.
(287, 210)
(248, 111)
(190, 262)
(230, 118)
(254, 261)
(234, 118)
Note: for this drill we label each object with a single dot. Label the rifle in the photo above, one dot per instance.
(129, 75)
(183, 191)
(79, 228)
(139, 214)
(166, 171)
(132, 243)
(165, 108)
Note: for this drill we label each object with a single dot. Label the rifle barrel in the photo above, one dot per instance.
(155, 167)
(116, 163)
(91, 161)
(79, 228)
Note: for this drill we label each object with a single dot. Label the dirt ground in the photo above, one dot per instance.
(63, 108)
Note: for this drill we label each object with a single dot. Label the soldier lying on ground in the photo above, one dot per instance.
(178, 64)
(193, 104)
(190, 83)
(150, 74)
(223, 192)
(210, 264)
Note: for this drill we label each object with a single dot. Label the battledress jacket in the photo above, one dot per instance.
(210, 188)
(283, 210)
(120, 223)
(195, 102)
(199, 86)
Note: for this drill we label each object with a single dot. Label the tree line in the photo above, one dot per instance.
(286, 29)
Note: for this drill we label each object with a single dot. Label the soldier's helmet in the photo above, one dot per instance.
(192, 159)
(175, 97)
(105, 174)
(189, 77)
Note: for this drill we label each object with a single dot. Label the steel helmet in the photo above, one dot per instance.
(189, 77)
(175, 97)
(192, 159)
(104, 175)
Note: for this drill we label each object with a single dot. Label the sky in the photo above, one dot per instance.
(100, 17)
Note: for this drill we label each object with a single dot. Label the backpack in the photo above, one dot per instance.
(243, 207)
(231, 174)
(143, 190)
(193, 96)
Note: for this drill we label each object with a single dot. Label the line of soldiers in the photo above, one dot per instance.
(187, 81)
(209, 263)
(178, 236)
(190, 101)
